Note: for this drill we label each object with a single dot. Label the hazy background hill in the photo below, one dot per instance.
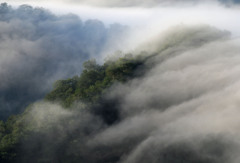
(38, 47)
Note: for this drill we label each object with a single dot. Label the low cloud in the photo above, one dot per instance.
(135, 3)
(150, 3)
(184, 109)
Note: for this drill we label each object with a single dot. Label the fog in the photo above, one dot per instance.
(183, 108)
(186, 107)
(38, 48)
(132, 3)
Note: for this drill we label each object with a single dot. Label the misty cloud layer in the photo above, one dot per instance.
(184, 109)
(149, 3)
(135, 3)
(38, 47)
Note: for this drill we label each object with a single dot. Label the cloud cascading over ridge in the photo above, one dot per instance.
(184, 109)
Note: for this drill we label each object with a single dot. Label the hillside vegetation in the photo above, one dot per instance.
(94, 80)
(89, 88)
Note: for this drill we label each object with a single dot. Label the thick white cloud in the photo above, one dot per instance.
(187, 101)
(185, 108)
(153, 19)
(128, 3)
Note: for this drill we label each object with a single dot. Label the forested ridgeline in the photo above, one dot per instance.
(89, 89)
